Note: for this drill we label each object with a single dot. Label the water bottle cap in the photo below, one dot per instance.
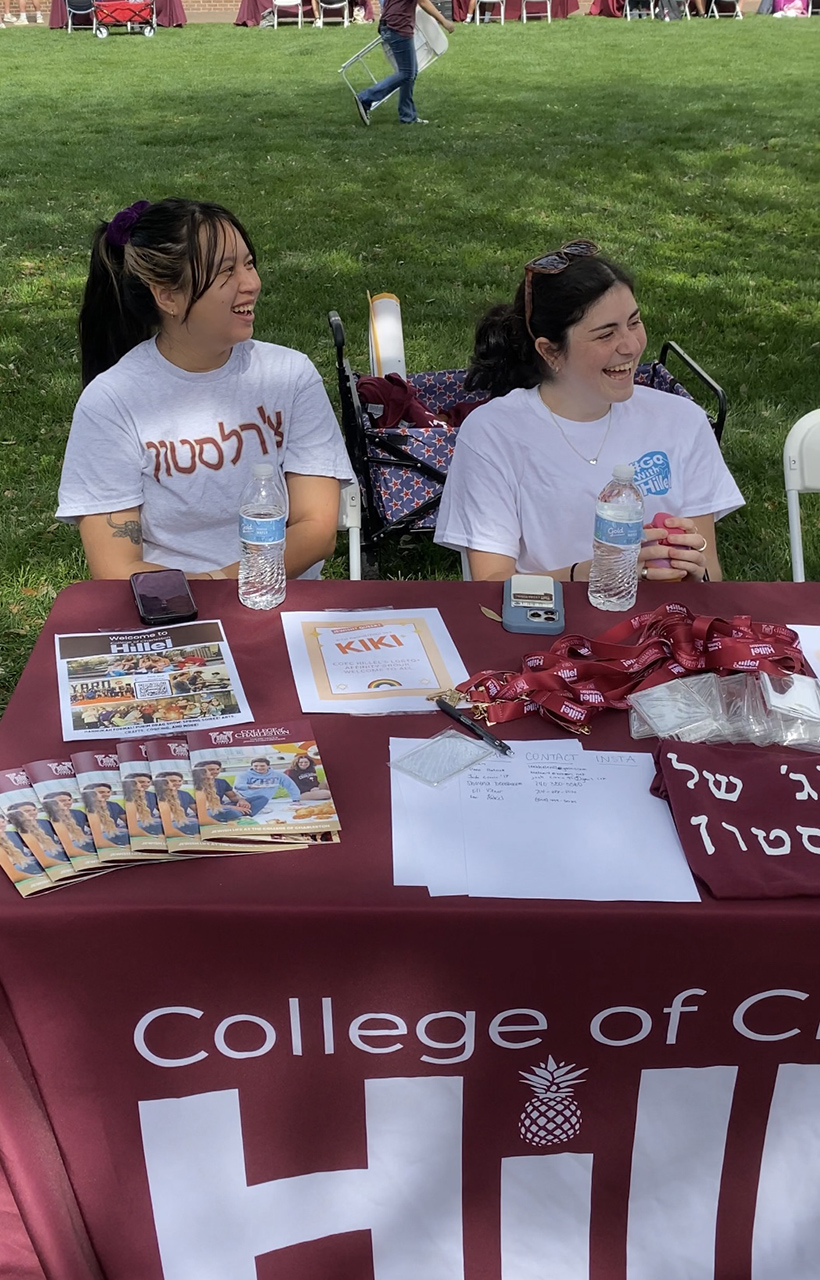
(623, 471)
(262, 470)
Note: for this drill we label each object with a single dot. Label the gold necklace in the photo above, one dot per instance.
(592, 461)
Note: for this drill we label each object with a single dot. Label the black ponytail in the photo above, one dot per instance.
(118, 310)
(505, 356)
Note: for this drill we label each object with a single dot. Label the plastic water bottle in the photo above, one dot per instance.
(613, 578)
(263, 513)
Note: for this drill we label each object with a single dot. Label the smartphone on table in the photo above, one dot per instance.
(163, 596)
(533, 603)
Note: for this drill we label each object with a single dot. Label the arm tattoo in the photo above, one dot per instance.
(131, 529)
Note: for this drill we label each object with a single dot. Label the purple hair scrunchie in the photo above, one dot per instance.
(121, 225)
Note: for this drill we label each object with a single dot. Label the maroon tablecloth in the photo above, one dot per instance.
(606, 9)
(255, 1065)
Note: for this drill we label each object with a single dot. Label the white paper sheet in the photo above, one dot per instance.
(552, 821)
(810, 644)
(371, 663)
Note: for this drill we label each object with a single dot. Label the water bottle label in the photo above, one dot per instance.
(262, 531)
(618, 533)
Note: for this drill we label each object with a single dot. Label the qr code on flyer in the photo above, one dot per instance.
(156, 687)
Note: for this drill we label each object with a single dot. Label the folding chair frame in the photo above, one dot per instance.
(502, 4)
(330, 9)
(801, 474)
(548, 14)
(276, 5)
(628, 9)
(714, 12)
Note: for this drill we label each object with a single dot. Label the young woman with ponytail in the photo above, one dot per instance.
(559, 366)
(179, 402)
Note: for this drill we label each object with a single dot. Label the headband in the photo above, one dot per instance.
(121, 225)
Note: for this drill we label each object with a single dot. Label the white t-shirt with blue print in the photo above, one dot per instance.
(515, 487)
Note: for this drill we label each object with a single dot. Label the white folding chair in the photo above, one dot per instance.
(524, 4)
(490, 4)
(634, 10)
(350, 519)
(801, 472)
(731, 9)
(276, 5)
(335, 9)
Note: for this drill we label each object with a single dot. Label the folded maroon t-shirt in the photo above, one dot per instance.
(748, 817)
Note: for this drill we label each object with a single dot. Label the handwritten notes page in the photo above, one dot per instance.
(552, 821)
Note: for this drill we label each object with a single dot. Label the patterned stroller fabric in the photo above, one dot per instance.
(414, 484)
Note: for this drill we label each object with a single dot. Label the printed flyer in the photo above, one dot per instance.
(371, 663)
(132, 684)
(24, 823)
(56, 788)
(141, 806)
(262, 782)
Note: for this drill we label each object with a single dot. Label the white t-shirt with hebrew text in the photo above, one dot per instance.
(181, 446)
(515, 487)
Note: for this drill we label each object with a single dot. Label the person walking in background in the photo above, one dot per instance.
(22, 19)
(396, 28)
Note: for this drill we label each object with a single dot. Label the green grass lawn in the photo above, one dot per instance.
(688, 151)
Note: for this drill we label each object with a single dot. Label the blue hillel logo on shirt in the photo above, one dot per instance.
(653, 475)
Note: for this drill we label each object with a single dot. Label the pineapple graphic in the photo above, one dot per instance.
(553, 1115)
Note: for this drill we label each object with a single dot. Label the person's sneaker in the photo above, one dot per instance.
(418, 120)
(22, 21)
(317, 22)
(469, 17)
(39, 19)
(364, 112)
(9, 17)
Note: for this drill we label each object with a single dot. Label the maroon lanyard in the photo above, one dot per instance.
(578, 676)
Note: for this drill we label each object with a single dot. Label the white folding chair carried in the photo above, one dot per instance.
(489, 5)
(801, 472)
(288, 6)
(350, 519)
(335, 9)
(430, 42)
(548, 14)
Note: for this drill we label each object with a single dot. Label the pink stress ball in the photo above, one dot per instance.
(659, 522)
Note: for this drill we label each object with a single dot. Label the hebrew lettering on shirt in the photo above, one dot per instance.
(690, 768)
(719, 785)
(776, 833)
(207, 451)
(808, 791)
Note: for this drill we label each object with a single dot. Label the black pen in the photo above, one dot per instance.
(484, 734)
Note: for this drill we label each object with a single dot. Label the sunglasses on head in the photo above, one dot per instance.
(552, 264)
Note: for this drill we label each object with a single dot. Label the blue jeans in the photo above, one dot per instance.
(403, 51)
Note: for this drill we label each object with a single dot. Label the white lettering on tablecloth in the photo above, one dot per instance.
(211, 1224)
(389, 1033)
(407, 1191)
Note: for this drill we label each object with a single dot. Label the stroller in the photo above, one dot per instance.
(401, 469)
(135, 15)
